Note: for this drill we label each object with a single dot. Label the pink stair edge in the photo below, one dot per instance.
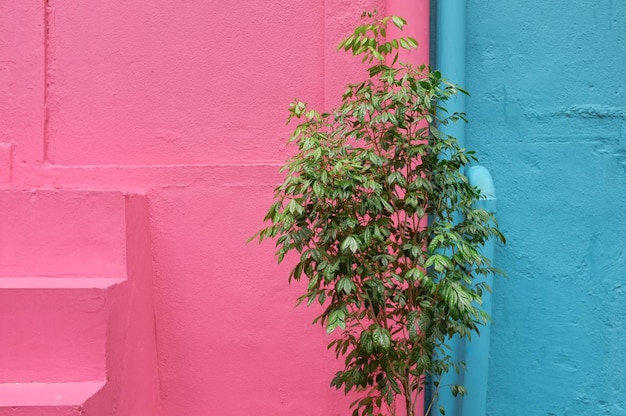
(47, 394)
(59, 282)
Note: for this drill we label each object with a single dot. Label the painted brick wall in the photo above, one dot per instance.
(187, 101)
(548, 116)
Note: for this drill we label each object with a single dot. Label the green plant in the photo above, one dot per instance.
(376, 204)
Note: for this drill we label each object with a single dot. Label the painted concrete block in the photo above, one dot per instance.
(54, 329)
(62, 233)
(546, 112)
(22, 79)
(202, 82)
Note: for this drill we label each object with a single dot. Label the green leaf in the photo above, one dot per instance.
(366, 344)
(293, 207)
(412, 42)
(439, 262)
(398, 21)
(346, 285)
(350, 244)
(336, 318)
(388, 207)
(425, 84)
(381, 339)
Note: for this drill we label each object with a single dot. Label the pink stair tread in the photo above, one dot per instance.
(58, 282)
(47, 394)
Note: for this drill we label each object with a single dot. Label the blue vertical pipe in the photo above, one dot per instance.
(450, 60)
(477, 349)
(450, 56)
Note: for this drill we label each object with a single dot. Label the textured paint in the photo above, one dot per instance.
(131, 350)
(86, 340)
(42, 233)
(66, 315)
(5, 164)
(186, 104)
(547, 115)
(22, 81)
(145, 83)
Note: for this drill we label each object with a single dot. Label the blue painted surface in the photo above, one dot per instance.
(548, 117)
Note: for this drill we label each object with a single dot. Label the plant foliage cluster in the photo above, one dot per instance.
(383, 219)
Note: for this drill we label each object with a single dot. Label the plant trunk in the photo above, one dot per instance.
(410, 409)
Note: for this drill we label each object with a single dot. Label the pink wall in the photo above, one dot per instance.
(186, 101)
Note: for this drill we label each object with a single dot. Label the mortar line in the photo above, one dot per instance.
(11, 163)
(46, 37)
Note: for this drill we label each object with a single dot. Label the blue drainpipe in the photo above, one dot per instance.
(450, 60)
(450, 56)
(477, 349)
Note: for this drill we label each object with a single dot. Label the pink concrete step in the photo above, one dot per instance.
(76, 304)
(54, 329)
(62, 233)
(51, 399)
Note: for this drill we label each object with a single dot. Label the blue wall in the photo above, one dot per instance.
(548, 117)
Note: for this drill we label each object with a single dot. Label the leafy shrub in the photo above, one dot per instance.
(376, 204)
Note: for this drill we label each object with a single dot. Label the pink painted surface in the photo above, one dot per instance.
(131, 360)
(22, 81)
(417, 16)
(69, 321)
(5, 164)
(52, 233)
(65, 331)
(186, 104)
(145, 83)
